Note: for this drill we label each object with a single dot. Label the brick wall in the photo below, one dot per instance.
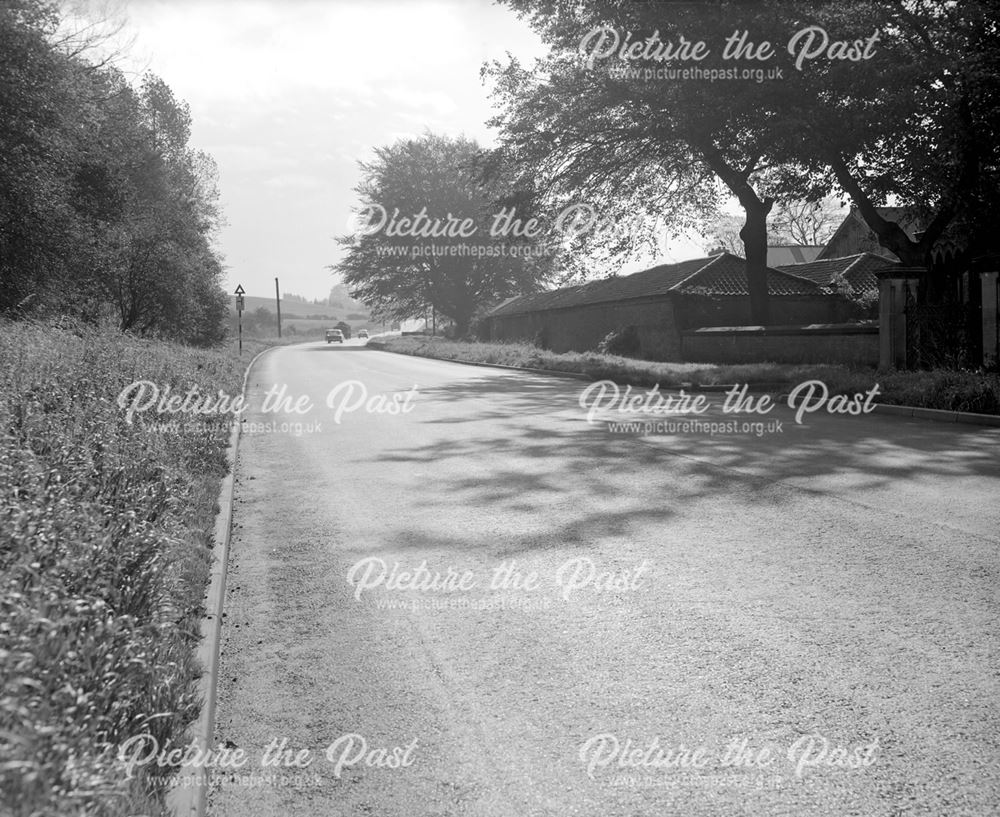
(694, 311)
(829, 343)
(662, 322)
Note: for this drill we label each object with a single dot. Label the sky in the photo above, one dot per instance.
(288, 95)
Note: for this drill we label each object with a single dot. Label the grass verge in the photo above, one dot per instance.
(952, 391)
(105, 548)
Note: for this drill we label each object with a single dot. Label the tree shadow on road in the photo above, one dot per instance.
(522, 445)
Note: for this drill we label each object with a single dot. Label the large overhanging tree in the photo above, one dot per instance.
(579, 148)
(895, 101)
(918, 127)
(429, 233)
(597, 121)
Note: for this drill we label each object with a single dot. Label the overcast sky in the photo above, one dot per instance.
(287, 96)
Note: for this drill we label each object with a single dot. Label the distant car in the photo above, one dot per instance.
(334, 335)
(363, 333)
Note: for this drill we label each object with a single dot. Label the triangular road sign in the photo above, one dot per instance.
(239, 290)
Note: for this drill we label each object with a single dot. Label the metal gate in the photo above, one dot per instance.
(938, 336)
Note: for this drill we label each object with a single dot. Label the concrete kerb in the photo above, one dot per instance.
(914, 412)
(527, 369)
(191, 800)
(936, 415)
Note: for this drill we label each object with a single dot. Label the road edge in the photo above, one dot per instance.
(528, 369)
(913, 412)
(184, 800)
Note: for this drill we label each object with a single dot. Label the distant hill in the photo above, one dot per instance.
(300, 318)
(289, 309)
(339, 305)
(341, 299)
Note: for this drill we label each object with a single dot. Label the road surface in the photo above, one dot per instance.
(480, 603)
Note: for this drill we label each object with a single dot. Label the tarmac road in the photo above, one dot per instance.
(598, 623)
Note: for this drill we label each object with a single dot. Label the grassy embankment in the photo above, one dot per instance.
(954, 391)
(105, 547)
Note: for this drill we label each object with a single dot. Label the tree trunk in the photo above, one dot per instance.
(890, 235)
(754, 235)
(462, 325)
(754, 232)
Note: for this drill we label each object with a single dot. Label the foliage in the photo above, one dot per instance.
(915, 124)
(105, 209)
(103, 561)
(594, 130)
(341, 298)
(866, 301)
(623, 342)
(571, 140)
(918, 129)
(399, 274)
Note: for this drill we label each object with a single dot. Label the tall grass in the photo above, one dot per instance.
(105, 537)
(950, 390)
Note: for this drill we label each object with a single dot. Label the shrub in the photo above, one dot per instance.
(623, 341)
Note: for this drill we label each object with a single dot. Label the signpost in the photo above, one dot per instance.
(239, 311)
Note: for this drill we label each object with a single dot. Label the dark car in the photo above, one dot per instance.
(363, 333)
(334, 335)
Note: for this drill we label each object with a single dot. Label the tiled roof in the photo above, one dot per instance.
(648, 283)
(727, 276)
(723, 274)
(858, 270)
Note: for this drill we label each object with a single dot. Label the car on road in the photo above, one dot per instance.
(363, 333)
(334, 335)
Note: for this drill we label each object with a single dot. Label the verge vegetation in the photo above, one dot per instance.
(105, 548)
(977, 392)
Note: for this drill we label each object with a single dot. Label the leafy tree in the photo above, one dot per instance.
(567, 142)
(920, 128)
(158, 248)
(447, 253)
(103, 204)
(587, 122)
(39, 149)
(912, 120)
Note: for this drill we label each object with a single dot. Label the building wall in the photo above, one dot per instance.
(580, 329)
(844, 343)
(659, 321)
(694, 311)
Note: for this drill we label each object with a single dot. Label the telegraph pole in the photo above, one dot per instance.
(277, 300)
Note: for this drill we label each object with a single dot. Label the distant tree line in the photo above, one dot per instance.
(106, 211)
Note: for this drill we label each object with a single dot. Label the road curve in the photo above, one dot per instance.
(598, 623)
